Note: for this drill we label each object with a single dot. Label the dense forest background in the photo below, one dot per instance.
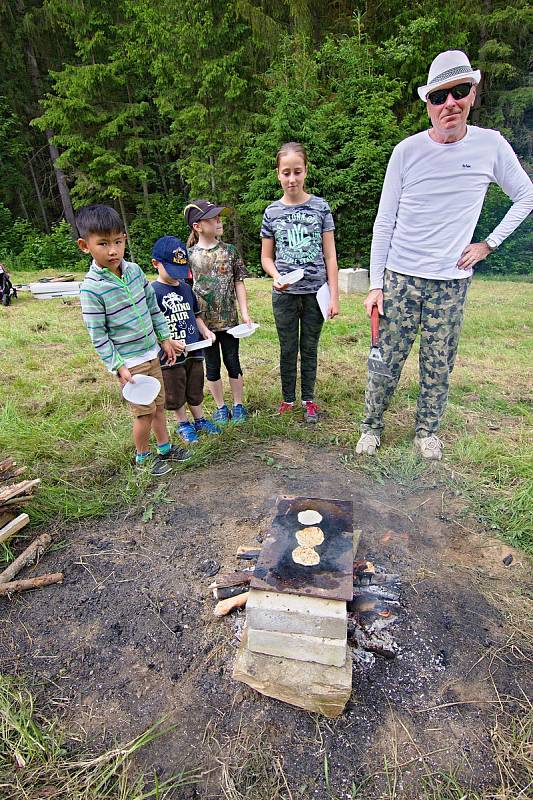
(143, 104)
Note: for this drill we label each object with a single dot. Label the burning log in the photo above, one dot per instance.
(28, 556)
(225, 606)
(381, 644)
(30, 583)
(375, 579)
(376, 591)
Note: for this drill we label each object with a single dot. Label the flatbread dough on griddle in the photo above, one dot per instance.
(309, 517)
(305, 556)
(310, 537)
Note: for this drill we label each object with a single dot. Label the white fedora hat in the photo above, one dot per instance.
(448, 66)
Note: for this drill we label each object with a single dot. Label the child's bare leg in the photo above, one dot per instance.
(236, 389)
(159, 426)
(181, 414)
(217, 390)
(141, 432)
(197, 411)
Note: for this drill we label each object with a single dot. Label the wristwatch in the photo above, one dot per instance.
(491, 244)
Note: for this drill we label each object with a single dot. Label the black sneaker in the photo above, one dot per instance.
(160, 466)
(176, 454)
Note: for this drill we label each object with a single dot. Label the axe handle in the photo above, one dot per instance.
(374, 326)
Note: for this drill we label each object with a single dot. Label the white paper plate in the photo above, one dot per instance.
(143, 391)
(292, 277)
(244, 330)
(190, 348)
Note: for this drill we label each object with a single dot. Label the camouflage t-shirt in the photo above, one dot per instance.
(215, 271)
(297, 233)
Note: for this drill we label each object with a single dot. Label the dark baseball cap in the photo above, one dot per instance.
(201, 209)
(172, 253)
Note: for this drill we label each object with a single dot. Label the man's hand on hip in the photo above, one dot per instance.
(472, 254)
(374, 298)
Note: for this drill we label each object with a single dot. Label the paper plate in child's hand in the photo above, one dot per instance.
(143, 391)
(244, 330)
(292, 277)
(190, 348)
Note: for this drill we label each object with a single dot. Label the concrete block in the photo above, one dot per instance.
(296, 613)
(298, 646)
(313, 687)
(353, 280)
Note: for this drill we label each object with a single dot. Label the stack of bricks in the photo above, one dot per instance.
(297, 626)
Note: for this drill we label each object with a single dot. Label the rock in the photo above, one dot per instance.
(508, 560)
(313, 687)
(353, 280)
(210, 567)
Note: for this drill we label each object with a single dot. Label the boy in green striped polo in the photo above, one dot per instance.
(126, 327)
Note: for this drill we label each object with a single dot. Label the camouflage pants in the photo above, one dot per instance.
(410, 303)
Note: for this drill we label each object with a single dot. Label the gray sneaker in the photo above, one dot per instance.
(156, 465)
(176, 454)
(430, 447)
(368, 444)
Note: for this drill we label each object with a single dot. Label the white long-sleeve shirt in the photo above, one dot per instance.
(431, 201)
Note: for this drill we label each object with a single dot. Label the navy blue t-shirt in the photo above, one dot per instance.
(180, 307)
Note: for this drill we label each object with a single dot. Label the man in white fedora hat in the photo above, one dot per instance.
(422, 255)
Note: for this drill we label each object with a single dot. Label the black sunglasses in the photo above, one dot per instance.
(459, 92)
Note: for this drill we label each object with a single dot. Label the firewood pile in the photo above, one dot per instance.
(13, 497)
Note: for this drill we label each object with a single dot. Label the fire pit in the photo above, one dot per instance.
(296, 609)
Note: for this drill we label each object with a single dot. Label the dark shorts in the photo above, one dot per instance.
(184, 383)
(230, 355)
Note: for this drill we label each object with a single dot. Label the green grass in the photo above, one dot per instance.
(61, 414)
(36, 761)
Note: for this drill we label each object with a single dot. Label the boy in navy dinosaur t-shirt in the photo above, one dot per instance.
(184, 381)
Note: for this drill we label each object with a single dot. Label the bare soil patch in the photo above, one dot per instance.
(130, 636)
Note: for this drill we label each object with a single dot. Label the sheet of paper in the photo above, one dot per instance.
(323, 298)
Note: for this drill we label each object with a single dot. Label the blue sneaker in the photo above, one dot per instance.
(187, 433)
(240, 414)
(222, 415)
(205, 426)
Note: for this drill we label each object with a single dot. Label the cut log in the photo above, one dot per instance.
(227, 579)
(248, 553)
(5, 517)
(228, 591)
(31, 583)
(13, 527)
(8, 476)
(225, 606)
(15, 502)
(28, 556)
(16, 489)
(7, 464)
